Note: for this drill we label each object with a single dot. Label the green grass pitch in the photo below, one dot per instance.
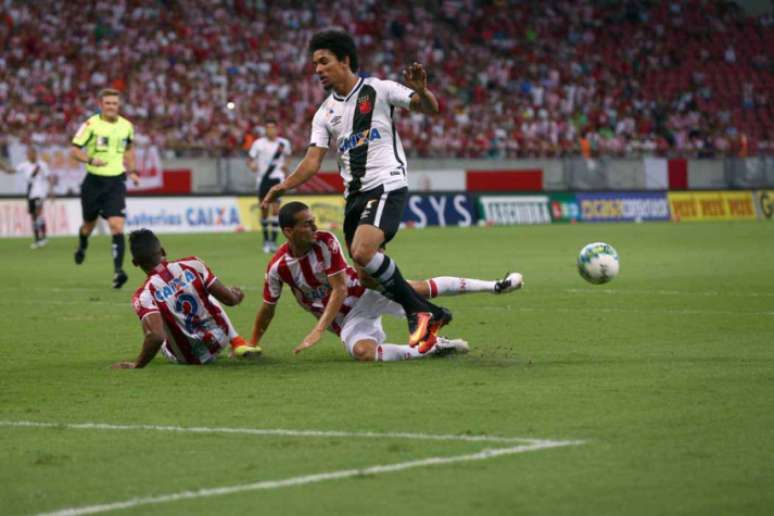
(666, 374)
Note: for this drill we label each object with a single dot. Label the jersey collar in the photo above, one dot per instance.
(158, 269)
(357, 87)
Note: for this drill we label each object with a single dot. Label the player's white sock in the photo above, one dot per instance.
(393, 352)
(451, 286)
(273, 228)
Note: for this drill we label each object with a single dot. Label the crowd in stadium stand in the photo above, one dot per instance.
(514, 78)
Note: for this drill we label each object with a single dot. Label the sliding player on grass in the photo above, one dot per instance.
(312, 265)
(178, 308)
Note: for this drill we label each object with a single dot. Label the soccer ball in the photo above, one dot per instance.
(598, 263)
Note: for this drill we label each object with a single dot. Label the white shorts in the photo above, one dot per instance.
(365, 319)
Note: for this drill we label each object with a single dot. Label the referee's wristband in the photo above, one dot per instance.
(88, 161)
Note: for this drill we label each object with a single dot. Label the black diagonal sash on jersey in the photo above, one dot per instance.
(273, 162)
(361, 124)
(32, 180)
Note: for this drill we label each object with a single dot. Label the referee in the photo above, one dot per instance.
(104, 144)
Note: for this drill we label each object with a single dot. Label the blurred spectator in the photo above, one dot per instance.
(514, 78)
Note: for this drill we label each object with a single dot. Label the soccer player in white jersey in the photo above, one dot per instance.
(39, 181)
(267, 160)
(178, 308)
(312, 265)
(357, 121)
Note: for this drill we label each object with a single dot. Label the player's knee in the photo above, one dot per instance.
(362, 254)
(364, 351)
(116, 227)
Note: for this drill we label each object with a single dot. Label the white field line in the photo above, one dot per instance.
(311, 479)
(279, 432)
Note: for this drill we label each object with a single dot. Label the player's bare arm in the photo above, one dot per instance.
(338, 294)
(229, 296)
(262, 321)
(423, 100)
(79, 155)
(308, 167)
(153, 329)
(130, 161)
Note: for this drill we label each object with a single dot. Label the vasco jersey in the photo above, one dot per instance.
(361, 128)
(270, 157)
(107, 141)
(197, 328)
(307, 276)
(36, 176)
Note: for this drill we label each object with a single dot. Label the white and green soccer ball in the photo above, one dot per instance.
(598, 263)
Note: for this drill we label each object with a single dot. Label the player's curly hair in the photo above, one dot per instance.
(341, 43)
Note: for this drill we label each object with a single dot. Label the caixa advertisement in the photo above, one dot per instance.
(623, 207)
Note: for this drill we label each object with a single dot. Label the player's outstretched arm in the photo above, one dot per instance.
(338, 294)
(308, 167)
(229, 296)
(262, 320)
(153, 328)
(423, 99)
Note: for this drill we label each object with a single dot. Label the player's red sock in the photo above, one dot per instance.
(238, 341)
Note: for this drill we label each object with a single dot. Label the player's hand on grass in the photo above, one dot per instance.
(123, 365)
(272, 194)
(239, 294)
(415, 77)
(309, 341)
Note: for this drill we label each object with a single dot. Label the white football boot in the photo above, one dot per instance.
(446, 346)
(512, 281)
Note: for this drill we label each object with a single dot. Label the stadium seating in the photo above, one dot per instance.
(515, 79)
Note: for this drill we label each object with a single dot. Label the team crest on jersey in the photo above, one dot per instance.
(364, 105)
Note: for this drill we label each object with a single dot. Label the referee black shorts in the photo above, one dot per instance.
(103, 196)
(375, 208)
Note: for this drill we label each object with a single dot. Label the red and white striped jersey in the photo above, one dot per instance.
(197, 328)
(307, 276)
